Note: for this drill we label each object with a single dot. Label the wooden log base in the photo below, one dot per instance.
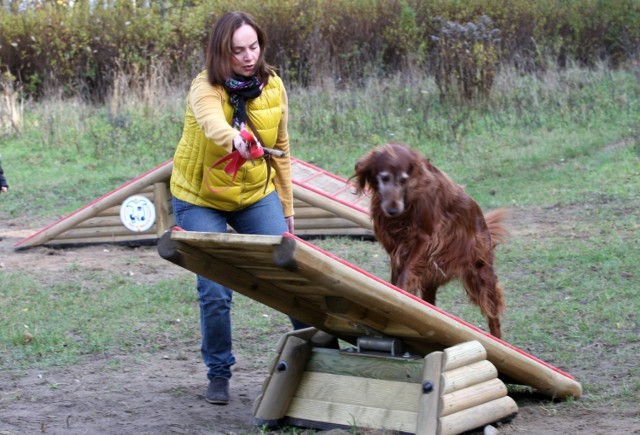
(446, 392)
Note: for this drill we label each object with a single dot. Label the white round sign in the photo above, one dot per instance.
(137, 213)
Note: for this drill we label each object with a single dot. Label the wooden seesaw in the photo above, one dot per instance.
(416, 368)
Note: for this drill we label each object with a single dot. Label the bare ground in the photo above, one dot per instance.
(160, 393)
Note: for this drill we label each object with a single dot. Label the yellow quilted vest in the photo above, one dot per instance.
(206, 139)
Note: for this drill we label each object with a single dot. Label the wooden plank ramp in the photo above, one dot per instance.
(346, 301)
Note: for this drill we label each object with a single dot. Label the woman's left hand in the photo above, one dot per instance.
(290, 225)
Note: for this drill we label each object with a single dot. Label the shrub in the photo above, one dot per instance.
(81, 47)
(467, 57)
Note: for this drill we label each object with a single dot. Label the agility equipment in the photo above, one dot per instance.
(297, 278)
(443, 393)
(325, 205)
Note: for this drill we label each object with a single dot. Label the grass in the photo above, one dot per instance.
(562, 150)
(84, 314)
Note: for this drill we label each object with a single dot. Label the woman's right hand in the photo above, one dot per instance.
(244, 147)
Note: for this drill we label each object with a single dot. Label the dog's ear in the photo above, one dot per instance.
(417, 164)
(363, 172)
(428, 166)
(359, 176)
(430, 172)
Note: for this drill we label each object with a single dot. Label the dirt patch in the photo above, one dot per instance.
(125, 394)
(160, 393)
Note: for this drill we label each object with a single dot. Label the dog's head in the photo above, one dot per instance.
(387, 171)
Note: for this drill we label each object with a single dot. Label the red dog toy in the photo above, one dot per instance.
(235, 160)
(256, 151)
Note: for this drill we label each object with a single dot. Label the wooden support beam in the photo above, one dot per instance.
(330, 222)
(347, 401)
(282, 382)
(340, 232)
(350, 213)
(430, 391)
(91, 233)
(101, 221)
(349, 364)
(161, 197)
(312, 213)
(131, 238)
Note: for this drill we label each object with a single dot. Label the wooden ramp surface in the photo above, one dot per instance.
(325, 205)
(299, 279)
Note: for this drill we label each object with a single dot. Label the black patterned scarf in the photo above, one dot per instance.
(240, 90)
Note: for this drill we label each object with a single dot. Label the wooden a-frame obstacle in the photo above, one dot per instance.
(417, 369)
(325, 205)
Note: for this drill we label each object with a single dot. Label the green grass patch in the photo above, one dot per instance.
(56, 323)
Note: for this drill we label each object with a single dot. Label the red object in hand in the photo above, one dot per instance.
(234, 160)
(255, 150)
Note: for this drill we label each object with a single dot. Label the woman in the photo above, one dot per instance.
(238, 91)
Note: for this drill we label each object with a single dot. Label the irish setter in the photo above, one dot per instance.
(431, 228)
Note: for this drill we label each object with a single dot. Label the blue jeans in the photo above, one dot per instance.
(264, 217)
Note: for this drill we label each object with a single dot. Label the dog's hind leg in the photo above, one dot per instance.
(484, 290)
(494, 326)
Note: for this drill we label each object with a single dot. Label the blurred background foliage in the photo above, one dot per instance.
(86, 48)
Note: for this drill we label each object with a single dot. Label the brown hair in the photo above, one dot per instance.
(219, 51)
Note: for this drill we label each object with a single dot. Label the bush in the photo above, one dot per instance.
(81, 49)
(466, 57)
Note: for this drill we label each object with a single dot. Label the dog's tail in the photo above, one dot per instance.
(495, 220)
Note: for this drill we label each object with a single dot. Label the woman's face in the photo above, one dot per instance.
(245, 50)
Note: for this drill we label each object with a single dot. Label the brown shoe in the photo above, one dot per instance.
(218, 391)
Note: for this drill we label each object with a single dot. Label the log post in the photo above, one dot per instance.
(472, 396)
(469, 375)
(282, 382)
(429, 404)
(478, 416)
(463, 354)
(161, 203)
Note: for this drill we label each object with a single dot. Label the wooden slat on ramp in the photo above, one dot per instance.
(332, 194)
(322, 290)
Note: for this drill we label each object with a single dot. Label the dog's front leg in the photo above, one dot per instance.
(395, 272)
(400, 277)
(404, 271)
(409, 282)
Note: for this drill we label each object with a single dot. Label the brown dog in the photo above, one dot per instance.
(431, 228)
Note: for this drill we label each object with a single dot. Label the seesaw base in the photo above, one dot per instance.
(446, 392)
